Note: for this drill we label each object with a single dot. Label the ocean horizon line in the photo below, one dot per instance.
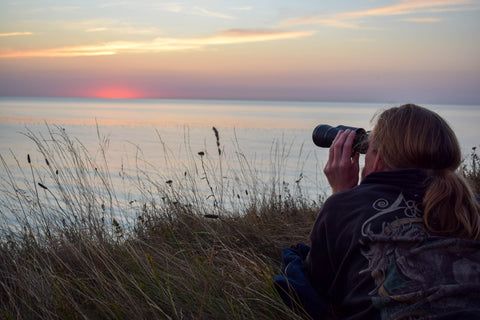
(304, 100)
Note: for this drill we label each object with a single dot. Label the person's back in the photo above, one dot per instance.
(380, 261)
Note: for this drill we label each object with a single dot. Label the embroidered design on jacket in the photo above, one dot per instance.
(417, 276)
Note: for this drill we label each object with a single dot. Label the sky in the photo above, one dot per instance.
(371, 50)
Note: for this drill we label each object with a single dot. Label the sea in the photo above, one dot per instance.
(272, 139)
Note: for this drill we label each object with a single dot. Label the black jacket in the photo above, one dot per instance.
(371, 257)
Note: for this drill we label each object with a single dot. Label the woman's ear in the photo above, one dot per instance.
(379, 164)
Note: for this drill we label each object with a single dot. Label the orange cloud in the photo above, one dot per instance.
(237, 36)
(409, 7)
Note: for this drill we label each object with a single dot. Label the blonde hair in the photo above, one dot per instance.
(410, 136)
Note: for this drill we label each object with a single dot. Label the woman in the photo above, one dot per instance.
(403, 244)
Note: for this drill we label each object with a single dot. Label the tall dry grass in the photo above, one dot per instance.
(200, 243)
(471, 170)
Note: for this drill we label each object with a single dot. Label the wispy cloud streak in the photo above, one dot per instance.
(234, 36)
(13, 34)
(208, 13)
(354, 19)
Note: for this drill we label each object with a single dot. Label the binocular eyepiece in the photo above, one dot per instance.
(323, 136)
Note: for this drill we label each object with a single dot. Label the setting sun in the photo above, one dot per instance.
(116, 93)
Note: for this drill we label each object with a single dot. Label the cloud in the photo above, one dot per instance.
(410, 7)
(125, 30)
(353, 19)
(334, 21)
(227, 37)
(234, 36)
(13, 34)
(112, 26)
(207, 13)
(179, 7)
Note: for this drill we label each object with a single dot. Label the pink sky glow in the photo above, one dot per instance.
(419, 51)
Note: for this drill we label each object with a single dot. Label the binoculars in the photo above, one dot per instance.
(323, 136)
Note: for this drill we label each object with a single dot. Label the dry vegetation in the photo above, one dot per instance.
(471, 170)
(71, 249)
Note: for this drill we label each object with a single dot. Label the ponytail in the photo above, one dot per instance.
(410, 136)
(450, 207)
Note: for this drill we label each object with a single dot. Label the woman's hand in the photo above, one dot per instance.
(342, 167)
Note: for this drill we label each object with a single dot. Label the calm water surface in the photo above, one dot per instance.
(168, 134)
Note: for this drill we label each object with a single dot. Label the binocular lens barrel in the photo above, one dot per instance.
(323, 136)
